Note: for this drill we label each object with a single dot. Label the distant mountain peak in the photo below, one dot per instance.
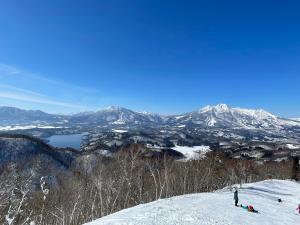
(218, 108)
(113, 108)
(226, 116)
(222, 107)
(116, 109)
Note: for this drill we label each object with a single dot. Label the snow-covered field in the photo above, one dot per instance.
(218, 208)
(194, 152)
(26, 127)
(292, 146)
(119, 131)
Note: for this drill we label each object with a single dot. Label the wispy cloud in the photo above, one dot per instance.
(24, 86)
(35, 99)
(9, 70)
(22, 90)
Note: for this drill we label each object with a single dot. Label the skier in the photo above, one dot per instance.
(236, 197)
(298, 208)
(249, 208)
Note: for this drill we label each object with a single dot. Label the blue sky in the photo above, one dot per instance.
(160, 56)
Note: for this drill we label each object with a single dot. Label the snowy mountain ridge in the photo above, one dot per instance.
(220, 115)
(217, 207)
(223, 115)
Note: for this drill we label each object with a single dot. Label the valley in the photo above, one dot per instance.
(105, 161)
(238, 132)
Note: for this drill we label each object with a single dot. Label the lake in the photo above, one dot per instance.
(66, 140)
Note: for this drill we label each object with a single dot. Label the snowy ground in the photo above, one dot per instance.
(292, 146)
(26, 127)
(217, 208)
(194, 152)
(119, 131)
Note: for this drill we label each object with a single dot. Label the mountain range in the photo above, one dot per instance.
(220, 115)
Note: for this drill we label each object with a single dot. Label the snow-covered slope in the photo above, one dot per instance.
(194, 152)
(218, 208)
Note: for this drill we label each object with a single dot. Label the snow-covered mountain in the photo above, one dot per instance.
(110, 116)
(115, 115)
(15, 116)
(217, 207)
(219, 116)
(223, 115)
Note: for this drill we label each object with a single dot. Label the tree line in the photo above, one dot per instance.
(120, 182)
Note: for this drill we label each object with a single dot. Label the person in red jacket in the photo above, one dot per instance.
(250, 208)
(298, 208)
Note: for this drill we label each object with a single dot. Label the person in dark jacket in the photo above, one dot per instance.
(236, 197)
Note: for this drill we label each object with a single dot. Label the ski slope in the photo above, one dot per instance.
(194, 152)
(217, 208)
